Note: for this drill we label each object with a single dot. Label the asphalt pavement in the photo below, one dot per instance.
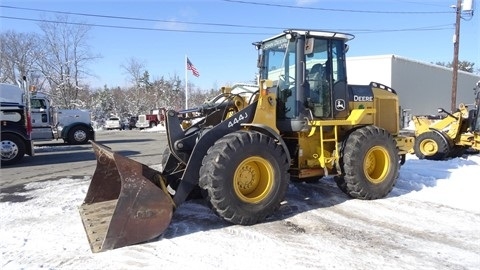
(55, 160)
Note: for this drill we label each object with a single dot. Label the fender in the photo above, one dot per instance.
(444, 137)
(271, 133)
(66, 129)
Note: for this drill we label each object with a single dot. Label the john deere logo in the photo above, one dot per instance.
(340, 104)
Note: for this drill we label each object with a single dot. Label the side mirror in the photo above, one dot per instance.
(309, 44)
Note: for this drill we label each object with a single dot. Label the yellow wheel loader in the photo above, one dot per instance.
(240, 149)
(449, 137)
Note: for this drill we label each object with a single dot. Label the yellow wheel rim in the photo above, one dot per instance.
(253, 179)
(376, 164)
(428, 147)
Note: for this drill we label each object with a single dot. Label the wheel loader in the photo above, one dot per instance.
(240, 149)
(451, 136)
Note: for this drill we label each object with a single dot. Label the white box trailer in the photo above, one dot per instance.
(421, 87)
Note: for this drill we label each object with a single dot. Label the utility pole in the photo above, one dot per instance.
(456, 45)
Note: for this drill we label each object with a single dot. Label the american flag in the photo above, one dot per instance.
(191, 67)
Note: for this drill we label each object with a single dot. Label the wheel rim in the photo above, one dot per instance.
(376, 164)
(253, 179)
(428, 147)
(9, 150)
(80, 135)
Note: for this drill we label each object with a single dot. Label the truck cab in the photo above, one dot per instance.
(155, 118)
(50, 123)
(42, 117)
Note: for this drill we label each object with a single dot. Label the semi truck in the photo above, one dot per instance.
(49, 122)
(15, 128)
(155, 118)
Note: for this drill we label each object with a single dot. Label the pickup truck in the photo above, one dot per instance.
(113, 122)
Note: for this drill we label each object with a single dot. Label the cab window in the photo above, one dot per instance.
(38, 104)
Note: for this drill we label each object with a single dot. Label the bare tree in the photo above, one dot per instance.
(19, 53)
(134, 69)
(66, 55)
(462, 65)
(136, 98)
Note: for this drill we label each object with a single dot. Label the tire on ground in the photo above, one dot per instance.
(369, 164)
(245, 174)
(457, 151)
(16, 147)
(78, 135)
(431, 145)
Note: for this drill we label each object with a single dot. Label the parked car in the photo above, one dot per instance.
(113, 123)
(132, 122)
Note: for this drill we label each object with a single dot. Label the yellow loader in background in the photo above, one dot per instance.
(241, 148)
(451, 136)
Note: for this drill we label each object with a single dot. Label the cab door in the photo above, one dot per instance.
(40, 113)
(327, 95)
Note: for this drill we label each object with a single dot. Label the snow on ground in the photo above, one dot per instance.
(431, 220)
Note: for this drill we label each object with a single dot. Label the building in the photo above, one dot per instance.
(422, 87)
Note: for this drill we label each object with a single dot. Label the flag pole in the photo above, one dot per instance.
(186, 83)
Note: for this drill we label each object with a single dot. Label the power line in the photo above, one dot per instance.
(335, 9)
(135, 28)
(429, 28)
(405, 30)
(420, 3)
(140, 19)
(352, 31)
(193, 23)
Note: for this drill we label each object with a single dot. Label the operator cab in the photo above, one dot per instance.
(308, 71)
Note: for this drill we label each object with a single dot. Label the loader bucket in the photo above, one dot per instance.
(123, 206)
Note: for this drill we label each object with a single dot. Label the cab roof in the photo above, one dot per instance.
(314, 33)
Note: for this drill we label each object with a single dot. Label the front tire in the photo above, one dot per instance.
(432, 146)
(245, 174)
(369, 163)
(78, 135)
(13, 149)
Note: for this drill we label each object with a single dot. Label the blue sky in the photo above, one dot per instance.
(380, 27)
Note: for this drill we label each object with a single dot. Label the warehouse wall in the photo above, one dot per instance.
(365, 69)
(422, 87)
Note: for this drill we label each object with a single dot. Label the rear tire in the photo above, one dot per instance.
(432, 146)
(245, 174)
(369, 162)
(13, 149)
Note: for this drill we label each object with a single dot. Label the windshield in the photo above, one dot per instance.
(279, 62)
